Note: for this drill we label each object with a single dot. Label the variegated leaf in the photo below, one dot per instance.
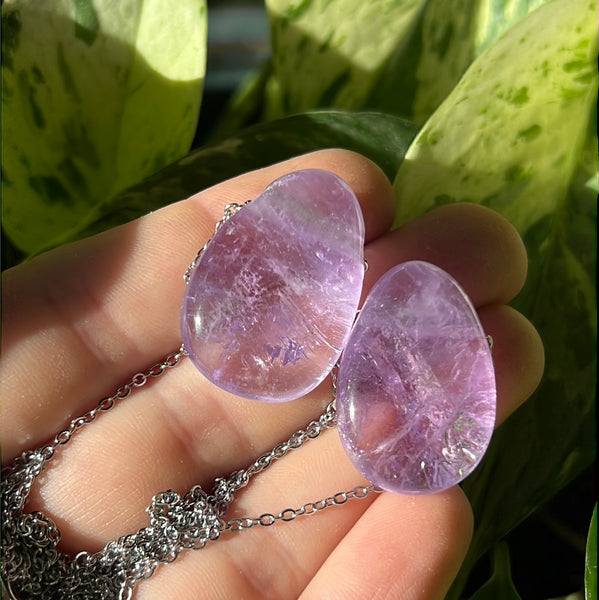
(96, 95)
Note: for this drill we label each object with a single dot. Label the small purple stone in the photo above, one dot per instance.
(416, 387)
(271, 302)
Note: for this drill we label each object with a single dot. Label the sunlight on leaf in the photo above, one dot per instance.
(96, 95)
(448, 36)
(453, 35)
(401, 56)
(330, 54)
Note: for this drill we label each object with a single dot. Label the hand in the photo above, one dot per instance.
(79, 321)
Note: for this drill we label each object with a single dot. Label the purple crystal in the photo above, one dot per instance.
(271, 302)
(416, 387)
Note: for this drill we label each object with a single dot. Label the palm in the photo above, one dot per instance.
(79, 321)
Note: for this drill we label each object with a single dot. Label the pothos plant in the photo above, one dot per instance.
(485, 101)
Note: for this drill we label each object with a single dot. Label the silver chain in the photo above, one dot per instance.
(33, 568)
(289, 514)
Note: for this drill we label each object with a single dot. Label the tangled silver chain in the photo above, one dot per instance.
(33, 567)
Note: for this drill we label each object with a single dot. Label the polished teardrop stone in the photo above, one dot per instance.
(273, 297)
(416, 386)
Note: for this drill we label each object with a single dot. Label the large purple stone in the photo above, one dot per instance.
(416, 387)
(270, 304)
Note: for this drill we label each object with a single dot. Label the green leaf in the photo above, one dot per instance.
(429, 62)
(590, 570)
(500, 585)
(330, 54)
(401, 56)
(382, 138)
(243, 108)
(96, 95)
(515, 125)
(518, 134)
(453, 34)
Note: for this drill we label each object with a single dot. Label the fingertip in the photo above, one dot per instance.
(441, 527)
(483, 243)
(371, 186)
(366, 178)
(474, 244)
(518, 356)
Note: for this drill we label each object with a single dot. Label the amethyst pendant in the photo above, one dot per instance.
(416, 387)
(270, 304)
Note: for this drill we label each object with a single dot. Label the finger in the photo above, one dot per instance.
(474, 244)
(79, 320)
(401, 547)
(518, 357)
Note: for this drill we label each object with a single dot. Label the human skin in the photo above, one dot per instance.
(80, 320)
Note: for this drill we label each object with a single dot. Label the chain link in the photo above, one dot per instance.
(32, 567)
(290, 514)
